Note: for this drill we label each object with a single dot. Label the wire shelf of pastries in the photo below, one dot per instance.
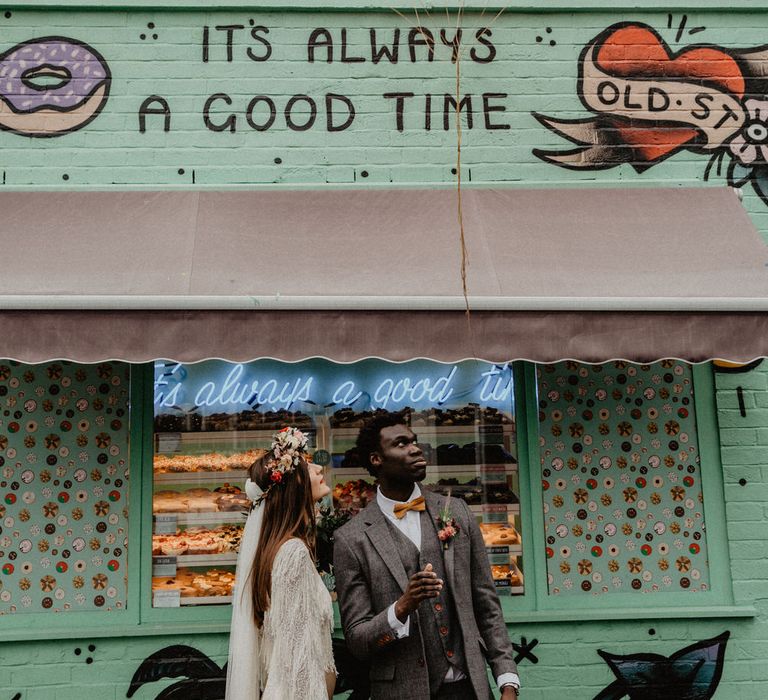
(485, 508)
(238, 476)
(217, 543)
(501, 538)
(228, 559)
(198, 464)
(195, 587)
(507, 578)
(211, 518)
(437, 471)
(461, 418)
(225, 498)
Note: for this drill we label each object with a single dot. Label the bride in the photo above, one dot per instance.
(282, 619)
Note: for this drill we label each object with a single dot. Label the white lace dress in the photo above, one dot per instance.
(296, 636)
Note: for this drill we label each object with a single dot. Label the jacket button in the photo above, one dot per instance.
(449, 654)
(438, 607)
(443, 630)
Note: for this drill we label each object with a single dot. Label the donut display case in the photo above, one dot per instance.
(199, 510)
(213, 419)
(471, 451)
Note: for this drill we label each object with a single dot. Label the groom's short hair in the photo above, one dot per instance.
(369, 437)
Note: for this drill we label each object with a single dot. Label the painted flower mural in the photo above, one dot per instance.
(650, 102)
(749, 150)
(750, 145)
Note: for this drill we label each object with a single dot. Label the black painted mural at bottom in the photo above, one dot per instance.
(692, 673)
(202, 679)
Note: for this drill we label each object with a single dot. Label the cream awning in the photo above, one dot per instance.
(591, 274)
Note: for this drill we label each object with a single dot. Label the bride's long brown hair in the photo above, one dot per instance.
(289, 511)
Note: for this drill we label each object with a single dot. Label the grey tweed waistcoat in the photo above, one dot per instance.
(437, 619)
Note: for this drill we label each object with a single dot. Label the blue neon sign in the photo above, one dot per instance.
(218, 386)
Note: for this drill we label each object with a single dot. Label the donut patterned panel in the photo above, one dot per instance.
(621, 479)
(63, 486)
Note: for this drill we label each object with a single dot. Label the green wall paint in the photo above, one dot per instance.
(567, 642)
(535, 67)
(112, 153)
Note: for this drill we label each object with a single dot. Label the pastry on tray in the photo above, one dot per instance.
(498, 534)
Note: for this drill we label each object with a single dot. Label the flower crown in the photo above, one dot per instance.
(289, 447)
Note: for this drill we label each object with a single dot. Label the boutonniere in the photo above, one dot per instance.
(447, 527)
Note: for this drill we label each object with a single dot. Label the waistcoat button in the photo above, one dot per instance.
(443, 630)
(438, 607)
(449, 654)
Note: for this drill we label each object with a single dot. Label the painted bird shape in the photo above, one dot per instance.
(692, 673)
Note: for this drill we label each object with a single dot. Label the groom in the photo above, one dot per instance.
(423, 610)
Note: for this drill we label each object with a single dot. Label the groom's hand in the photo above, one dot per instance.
(422, 585)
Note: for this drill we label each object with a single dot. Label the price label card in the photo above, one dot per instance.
(491, 434)
(165, 524)
(499, 549)
(494, 508)
(166, 599)
(493, 473)
(168, 442)
(311, 436)
(322, 457)
(163, 566)
(495, 517)
(498, 559)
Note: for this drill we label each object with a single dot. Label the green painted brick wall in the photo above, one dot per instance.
(568, 665)
(536, 66)
(111, 153)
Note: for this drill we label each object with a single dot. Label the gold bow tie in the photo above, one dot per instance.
(416, 504)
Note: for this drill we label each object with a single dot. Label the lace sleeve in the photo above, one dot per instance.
(298, 625)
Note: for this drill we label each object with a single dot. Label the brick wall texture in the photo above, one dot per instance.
(176, 62)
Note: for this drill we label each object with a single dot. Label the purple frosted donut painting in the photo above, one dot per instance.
(51, 86)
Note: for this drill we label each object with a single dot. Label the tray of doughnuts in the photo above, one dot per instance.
(198, 541)
(497, 534)
(506, 574)
(194, 584)
(209, 462)
(226, 498)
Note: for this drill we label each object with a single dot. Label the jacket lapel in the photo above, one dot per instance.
(377, 532)
(435, 505)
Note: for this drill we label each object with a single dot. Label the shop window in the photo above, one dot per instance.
(64, 463)
(621, 472)
(212, 418)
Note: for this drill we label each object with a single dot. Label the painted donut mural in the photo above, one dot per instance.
(51, 86)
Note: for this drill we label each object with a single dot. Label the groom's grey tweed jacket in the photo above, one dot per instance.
(370, 576)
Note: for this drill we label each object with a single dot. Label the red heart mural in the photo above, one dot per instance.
(635, 51)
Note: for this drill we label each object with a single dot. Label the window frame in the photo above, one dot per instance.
(535, 605)
(718, 601)
(42, 625)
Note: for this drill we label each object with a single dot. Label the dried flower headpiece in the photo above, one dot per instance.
(289, 447)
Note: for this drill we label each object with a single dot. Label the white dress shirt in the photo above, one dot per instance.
(410, 526)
